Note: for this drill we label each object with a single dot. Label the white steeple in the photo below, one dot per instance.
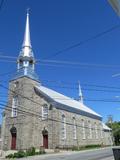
(26, 61)
(80, 92)
(26, 47)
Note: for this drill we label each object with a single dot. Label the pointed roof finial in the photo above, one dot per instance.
(27, 41)
(80, 92)
(28, 9)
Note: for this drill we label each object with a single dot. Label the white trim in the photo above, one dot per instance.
(90, 130)
(83, 130)
(44, 112)
(74, 129)
(14, 106)
(96, 131)
(63, 127)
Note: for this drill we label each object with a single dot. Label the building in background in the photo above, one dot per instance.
(38, 116)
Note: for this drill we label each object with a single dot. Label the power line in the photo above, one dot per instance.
(55, 63)
(86, 89)
(85, 99)
(116, 89)
(78, 63)
(62, 62)
(39, 116)
(69, 64)
(4, 60)
(19, 94)
(57, 98)
(63, 83)
(84, 41)
(7, 57)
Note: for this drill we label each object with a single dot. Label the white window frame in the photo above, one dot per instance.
(14, 106)
(44, 112)
(74, 129)
(101, 131)
(83, 130)
(63, 127)
(96, 131)
(90, 130)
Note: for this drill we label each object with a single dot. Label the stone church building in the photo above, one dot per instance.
(38, 116)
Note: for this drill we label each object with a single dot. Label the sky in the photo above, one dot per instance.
(59, 24)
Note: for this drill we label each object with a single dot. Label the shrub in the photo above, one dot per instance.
(9, 156)
(93, 146)
(19, 154)
(30, 151)
(75, 148)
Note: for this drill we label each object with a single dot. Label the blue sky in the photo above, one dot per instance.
(56, 25)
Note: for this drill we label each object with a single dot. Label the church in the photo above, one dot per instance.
(37, 116)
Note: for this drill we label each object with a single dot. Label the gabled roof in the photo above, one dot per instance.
(67, 103)
(105, 127)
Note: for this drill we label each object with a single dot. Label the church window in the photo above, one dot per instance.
(26, 63)
(45, 112)
(74, 129)
(90, 130)
(31, 63)
(83, 129)
(101, 131)
(14, 106)
(16, 84)
(96, 131)
(63, 127)
(21, 63)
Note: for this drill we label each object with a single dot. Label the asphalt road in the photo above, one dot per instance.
(99, 154)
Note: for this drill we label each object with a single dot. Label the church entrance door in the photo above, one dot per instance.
(45, 138)
(13, 137)
(45, 141)
(13, 141)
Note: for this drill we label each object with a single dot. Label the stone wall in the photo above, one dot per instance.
(29, 123)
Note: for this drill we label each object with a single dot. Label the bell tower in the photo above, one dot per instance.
(26, 60)
(18, 124)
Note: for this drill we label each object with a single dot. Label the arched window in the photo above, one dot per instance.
(44, 112)
(96, 131)
(63, 127)
(14, 106)
(90, 130)
(101, 130)
(20, 63)
(74, 129)
(83, 129)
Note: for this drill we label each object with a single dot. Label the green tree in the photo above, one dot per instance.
(115, 126)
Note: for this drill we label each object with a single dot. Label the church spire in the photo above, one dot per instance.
(80, 92)
(26, 47)
(26, 61)
(27, 42)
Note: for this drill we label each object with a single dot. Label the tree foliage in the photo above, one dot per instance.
(115, 126)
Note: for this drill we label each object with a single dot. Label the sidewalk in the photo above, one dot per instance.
(109, 158)
(52, 155)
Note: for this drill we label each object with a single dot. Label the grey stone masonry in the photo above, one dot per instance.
(30, 125)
